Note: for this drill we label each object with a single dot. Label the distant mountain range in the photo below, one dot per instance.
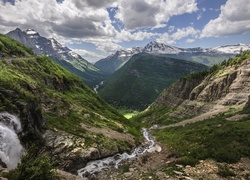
(67, 58)
(207, 56)
(138, 83)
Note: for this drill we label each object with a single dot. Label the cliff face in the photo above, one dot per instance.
(225, 88)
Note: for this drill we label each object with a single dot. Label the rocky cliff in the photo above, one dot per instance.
(223, 87)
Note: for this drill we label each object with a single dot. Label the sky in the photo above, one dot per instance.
(98, 28)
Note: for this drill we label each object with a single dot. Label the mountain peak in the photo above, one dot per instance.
(31, 32)
(18, 30)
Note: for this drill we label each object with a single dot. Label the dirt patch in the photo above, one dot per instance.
(237, 117)
(109, 133)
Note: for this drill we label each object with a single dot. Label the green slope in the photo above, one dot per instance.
(215, 137)
(142, 79)
(46, 96)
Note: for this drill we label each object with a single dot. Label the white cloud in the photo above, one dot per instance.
(185, 32)
(190, 40)
(151, 13)
(90, 56)
(66, 19)
(233, 19)
(125, 35)
(171, 29)
(178, 35)
(166, 39)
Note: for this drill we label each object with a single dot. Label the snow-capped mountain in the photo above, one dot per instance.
(59, 53)
(160, 48)
(207, 56)
(232, 49)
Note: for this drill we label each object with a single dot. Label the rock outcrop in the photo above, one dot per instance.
(228, 87)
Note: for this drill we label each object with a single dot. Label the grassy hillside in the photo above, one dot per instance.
(46, 96)
(217, 127)
(10, 47)
(142, 78)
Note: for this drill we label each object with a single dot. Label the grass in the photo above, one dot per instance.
(216, 138)
(63, 99)
(128, 113)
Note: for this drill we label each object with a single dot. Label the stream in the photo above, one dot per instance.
(96, 166)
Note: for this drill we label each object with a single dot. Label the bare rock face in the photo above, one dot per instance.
(68, 150)
(228, 87)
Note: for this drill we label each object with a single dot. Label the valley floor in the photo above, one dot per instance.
(160, 166)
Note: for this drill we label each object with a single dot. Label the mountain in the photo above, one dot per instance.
(113, 62)
(60, 116)
(207, 56)
(65, 57)
(206, 115)
(142, 78)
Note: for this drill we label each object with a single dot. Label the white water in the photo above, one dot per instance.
(97, 86)
(96, 166)
(10, 148)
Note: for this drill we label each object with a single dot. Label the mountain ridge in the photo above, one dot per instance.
(56, 108)
(62, 55)
(197, 54)
(142, 78)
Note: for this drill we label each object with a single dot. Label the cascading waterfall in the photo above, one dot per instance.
(10, 148)
(98, 165)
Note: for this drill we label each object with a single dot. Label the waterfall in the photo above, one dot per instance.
(10, 148)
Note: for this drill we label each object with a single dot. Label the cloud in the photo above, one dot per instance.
(233, 19)
(94, 3)
(125, 35)
(90, 56)
(64, 19)
(190, 40)
(178, 35)
(149, 13)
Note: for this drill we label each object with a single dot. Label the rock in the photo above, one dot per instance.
(62, 175)
(161, 175)
(178, 172)
(2, 164)
(2, 178)
(131, 169)
(127, 174)
(68, 150)
(156, 148)
(179, 166)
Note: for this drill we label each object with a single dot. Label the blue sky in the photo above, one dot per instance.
(97, 28)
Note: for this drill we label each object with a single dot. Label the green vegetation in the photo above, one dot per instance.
(217, 138)
(128, 113)
(33, 166)
(66, 100)
(139, 82)
(10, 47)
(224, 171)
(48, 93)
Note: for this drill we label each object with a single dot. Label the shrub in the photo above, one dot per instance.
(33, 167)
(225, 171)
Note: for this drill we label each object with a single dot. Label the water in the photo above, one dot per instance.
(10, 148)
(96, 166)
(97, 86)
